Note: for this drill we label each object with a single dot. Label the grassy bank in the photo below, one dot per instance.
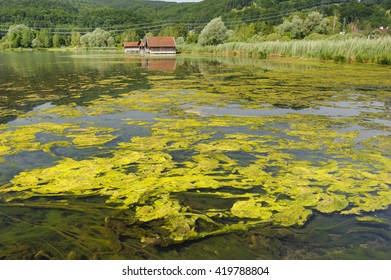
(69, 48)
(353, 49)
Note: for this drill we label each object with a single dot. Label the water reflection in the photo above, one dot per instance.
(33, 78)
(154, 120)
(159, 64)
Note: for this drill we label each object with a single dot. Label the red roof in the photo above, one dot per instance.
(130, 44)
(167, 42)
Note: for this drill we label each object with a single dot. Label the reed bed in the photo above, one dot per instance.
(352, 49)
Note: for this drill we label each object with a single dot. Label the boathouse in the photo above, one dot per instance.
(160, 45)
(131, 47)
(152, 45)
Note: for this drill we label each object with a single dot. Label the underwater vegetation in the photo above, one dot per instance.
(191, 157)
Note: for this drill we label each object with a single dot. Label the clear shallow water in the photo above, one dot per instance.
(110, 156)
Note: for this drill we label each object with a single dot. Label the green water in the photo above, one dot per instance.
(110, 156)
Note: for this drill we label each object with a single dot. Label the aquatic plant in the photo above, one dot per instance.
(138, 174)
(348, 49)
(204, 140)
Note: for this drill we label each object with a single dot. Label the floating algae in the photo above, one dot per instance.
(332, 203)
(251, 209)
(259, 169)
(91, 136)
(142, 173)
(18, 139)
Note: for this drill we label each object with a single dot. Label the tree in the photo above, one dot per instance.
(75, 39)
(85, 40)
(20, 36)
(110, 42)
(36, 43)
(180, 30)
(28, 36)
(293, 28)
(4, 43)
(45, 38)
(169, 31)
(97, 38)
(57, 40)
(180, 41)
(243, 33)
(191, 38)
(315, 23)
(214, 33)
(148, 34)
(297, 28)
(129, 35)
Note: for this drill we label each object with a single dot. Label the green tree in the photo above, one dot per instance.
(263, 28)
(97, 38)
(316, 23)
(129, 35)
(191, 38)
(4, 43)
(57, 40)
(168, 31)
(180, 30)
(297, 28)
(335, 25)
(20, 36)
(85, 40)
(214, 33)
(75, 39)
(28, 36)
(243, 33)
(148, 34)
(293, 28)
(110, 42)
(180, 41)
(37, 43)
(45, 38)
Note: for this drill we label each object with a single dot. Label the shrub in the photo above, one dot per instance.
(339, 58)
(273, 37)
(386, 60)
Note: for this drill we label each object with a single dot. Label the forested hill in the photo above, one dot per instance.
(151, 16)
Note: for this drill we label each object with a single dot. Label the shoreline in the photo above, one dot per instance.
(360, 50)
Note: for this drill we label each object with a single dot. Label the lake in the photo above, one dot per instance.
(105, 155)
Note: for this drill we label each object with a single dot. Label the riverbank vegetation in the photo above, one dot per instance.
(341, 50)
(337, 30)
(313, 35)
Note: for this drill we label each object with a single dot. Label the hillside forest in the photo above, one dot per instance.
(103, 23)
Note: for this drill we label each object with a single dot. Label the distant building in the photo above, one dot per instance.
(379, 32)
(160, 45)
(383, 29)
(131, 47)
(152, 45)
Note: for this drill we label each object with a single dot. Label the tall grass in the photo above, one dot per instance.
(351, 49)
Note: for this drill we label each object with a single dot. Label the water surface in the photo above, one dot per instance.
(110, 156)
